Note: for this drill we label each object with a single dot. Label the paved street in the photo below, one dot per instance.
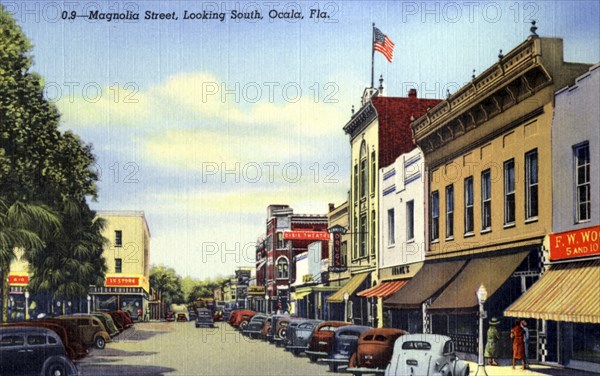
(160, 348)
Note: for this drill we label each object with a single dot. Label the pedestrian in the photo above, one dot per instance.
(525, 343)
(491, 347)
(518, 346)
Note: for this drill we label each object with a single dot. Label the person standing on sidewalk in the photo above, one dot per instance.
(525, 343)
(491, 347)
(518, 347)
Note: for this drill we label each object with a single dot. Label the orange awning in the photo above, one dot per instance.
(566, 292)
(384, 289)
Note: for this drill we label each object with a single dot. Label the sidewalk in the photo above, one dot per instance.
(535, 369)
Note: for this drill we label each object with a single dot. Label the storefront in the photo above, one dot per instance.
(122, 292)
(567, 300)
(345, 300)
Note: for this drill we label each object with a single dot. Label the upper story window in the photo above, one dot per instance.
(435, 215)
(373, 172)
(583, 198)
(364, 170)
(356, 182)
(531, 184)
(344, 253)
(509, 192)
(362, 252)
(469, 205)
(410, 220)
(373, 231)
(118, 265)
(282, 271)
(118, 238)
(486, 200)
(280, 241)
(449, 211)
(391, 227)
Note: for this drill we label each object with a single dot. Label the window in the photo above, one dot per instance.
(391, 227)
(356, 182)
(435, 215)
(469, 205)
(449, 211)
(12, 340)
(118, 265)
(282, 269)
(280, 241)
(583, 200)
(344, 253)
(531, 185)
(373, 231)
(410, 220)
(509, 192)
(118, 238)
(363, 170)
(356, 236)
(363, 236)
(36, 339)
(373, 172)
(486, 200)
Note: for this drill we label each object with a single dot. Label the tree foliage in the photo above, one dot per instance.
(168, 283)
(42, 166)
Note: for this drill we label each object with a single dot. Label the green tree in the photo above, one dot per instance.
(22, 226)
(40, 164)
(168, 283)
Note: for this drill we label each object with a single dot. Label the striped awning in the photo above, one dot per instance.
(351, 286)
(566, 292)
(384, 289)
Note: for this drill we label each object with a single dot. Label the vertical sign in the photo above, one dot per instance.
(336, 257)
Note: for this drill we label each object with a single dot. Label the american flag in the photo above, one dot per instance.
(383, 44)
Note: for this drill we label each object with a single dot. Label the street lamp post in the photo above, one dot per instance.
(346, 297)
(89, 301)
(267, 303)
(58, 305)
(481, 298)
(26, 305)
(70, 310)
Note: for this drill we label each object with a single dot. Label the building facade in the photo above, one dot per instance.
(379, 132)
(488, 157)
(127, 255)
(402, 235)
(570, 331)
(339, 271)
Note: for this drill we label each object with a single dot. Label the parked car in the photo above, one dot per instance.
(170, 316)
(73, 346)
(33, 351)
(266, 328)
(181, 317)
(345, 342)
(204, 318)
(374, 350)
(280, 330)
(90, 329)
(271, 330)
(321, 339)
(231, 317)
(254, 326)
(427, 355)
(192, 315)
(298, 335)
(241, 318)
(107, 321)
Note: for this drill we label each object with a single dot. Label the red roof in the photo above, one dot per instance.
(395, 134)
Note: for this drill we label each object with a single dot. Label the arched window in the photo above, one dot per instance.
(364, 170)
(281, 268)
(373, 172)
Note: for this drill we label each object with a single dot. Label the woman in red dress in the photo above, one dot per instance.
(517, 334)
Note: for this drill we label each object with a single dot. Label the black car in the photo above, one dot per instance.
(253, 329)
(33, 351)
(204, 318)
(345, 341)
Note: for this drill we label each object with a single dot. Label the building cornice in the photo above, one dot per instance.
(361, 119)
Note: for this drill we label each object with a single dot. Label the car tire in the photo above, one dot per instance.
(333, 367)
(100, 342)
(243, 325)
(282, 333)
(58, 367)
(295, 352)
(312, 358)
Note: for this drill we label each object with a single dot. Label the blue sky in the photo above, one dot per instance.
(202, 124)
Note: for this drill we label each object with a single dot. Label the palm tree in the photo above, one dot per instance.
(25, 226)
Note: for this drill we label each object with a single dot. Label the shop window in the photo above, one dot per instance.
(583, 200)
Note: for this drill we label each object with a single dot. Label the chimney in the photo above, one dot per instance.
(412, 93)
(331, 206)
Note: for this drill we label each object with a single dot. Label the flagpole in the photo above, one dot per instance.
(372, 55)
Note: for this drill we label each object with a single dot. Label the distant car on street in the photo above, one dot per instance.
(204, 318)
(33, 351)
(170, 316)
(181, 317)
(427, 355)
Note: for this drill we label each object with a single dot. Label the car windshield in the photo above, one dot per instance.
(416, 345)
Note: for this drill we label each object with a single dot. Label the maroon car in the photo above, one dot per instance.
(321, 339)
(374, 350)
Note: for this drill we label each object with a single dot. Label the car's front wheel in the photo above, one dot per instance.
(100, 343)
